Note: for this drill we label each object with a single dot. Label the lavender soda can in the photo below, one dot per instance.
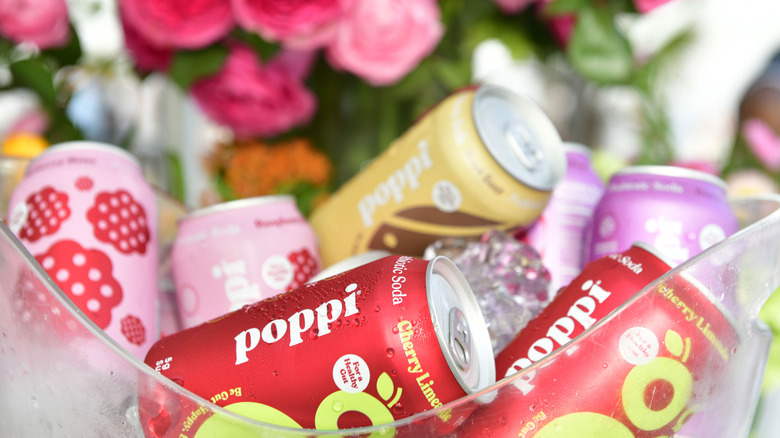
(239, 252)
(88, 216)
(560, 233)
(678, 211)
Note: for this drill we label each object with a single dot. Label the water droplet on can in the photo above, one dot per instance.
(390, 352)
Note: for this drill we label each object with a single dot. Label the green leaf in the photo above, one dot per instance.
(223, 188)
(61, 129)
(189, 66)
(453, 74)
(69, 54)
(664, 59)
(560, 7)
(598, 50)
(384, 386)
(5, 47)
(177, 185)
(264, 49)
(34, 74)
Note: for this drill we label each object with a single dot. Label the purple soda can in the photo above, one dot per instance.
(678, 211)
(560, 233)
(236, 253)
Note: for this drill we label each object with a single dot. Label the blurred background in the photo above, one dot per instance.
(223, 100)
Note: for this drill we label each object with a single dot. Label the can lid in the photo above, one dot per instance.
(349, 263)
(573, 146)
(519, 136)
(81, 145)
(239, 204)
(673, 171)
(460, 326)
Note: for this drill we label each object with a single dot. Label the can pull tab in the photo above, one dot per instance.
(520, 141)
(460, 339)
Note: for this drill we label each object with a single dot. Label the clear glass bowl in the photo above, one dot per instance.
(84, 383)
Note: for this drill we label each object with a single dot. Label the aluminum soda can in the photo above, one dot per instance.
(678, 211)
(88, 216)
(602, 286)
(377, 343)
(641, 372)
(479, 160)
(239, 252)
(559, 236)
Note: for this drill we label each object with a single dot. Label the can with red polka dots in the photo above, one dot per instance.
(86, 213)
(236, 253)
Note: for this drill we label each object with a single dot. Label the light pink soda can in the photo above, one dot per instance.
(88, 216)
(560, 233)
(240, 252)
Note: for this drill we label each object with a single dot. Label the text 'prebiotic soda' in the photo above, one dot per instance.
(481, 159)
(377, 343)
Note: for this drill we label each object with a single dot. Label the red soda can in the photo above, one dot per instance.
(603, 285)
(88, 216)
(236, 253)
(377, 343)
(641, 372)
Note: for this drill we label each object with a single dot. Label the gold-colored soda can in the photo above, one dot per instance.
(482, 158)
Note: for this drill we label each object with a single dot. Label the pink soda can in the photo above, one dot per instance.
(559, 235)
(678, 211)
(240, 252)
(86, 213)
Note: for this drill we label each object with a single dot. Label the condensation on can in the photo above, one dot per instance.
(389, 340)
(643, 370)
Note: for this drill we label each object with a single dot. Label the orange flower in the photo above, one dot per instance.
(253, 168)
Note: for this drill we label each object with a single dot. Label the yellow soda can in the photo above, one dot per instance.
(483, 158)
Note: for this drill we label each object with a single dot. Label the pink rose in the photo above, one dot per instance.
(561, 26)
(147, 57)
(254, 99)
(645, 6)
(513, 6)
(304, 24)
(41, 22)
(382, 40)
(185, 24)
(763, 142)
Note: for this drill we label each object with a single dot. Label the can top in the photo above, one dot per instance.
(673, 171)
(81, 145)
(519, 136)
(460, 326)
(573, 146)
(239, 204)
(350, 263)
